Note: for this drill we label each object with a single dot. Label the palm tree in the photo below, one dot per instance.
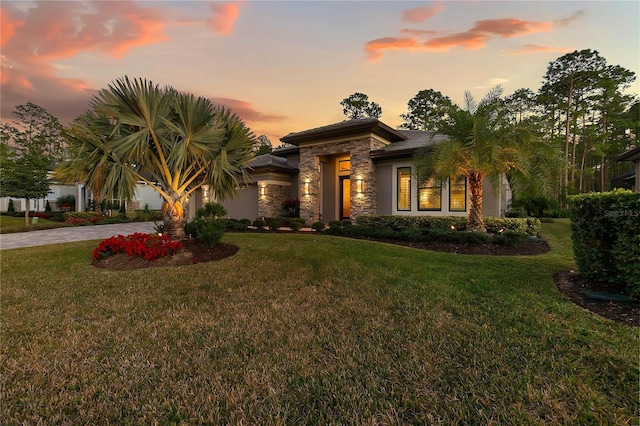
(482, 145)
(176, 143)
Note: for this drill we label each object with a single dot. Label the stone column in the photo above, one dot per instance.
(309, 181)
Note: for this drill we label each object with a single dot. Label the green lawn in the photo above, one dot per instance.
(303, 329)
(10, 224)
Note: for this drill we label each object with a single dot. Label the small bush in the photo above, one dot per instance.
(318, 226)
(213, 210)
(11, 208)
(516, 213)
(335, 224)
(441, 235)
(207, 230)
(274, 224)
(510, 238)
(66, 202)
(295, 226)
(245, 222)
(411, 233)
(47, 206)
(259, 223)
(471, 237)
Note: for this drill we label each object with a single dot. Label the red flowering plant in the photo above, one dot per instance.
(148, 246)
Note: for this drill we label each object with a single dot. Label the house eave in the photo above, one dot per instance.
(631, 155)
(375, 127)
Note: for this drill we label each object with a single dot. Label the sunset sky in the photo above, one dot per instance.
(285, 66)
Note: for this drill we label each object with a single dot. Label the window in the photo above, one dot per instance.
(404, 188)
(458, 194)
(344, 165)
(429, 196)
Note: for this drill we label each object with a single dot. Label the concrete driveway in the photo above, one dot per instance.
(75, 233)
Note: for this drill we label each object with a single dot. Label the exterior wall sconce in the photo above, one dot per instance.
(263, 190)
(359, 185)
(306, 188)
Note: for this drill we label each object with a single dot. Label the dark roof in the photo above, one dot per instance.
(631, 155)
(415, 140)
(271, 163)
(345, 128)
(286, 150)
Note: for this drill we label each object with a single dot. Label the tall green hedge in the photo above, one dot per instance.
(605, 228)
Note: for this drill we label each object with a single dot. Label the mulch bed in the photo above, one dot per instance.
(575, 287)
(571, 284)
(191, 253)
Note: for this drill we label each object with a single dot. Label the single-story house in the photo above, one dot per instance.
(353, 168)
(630, 180)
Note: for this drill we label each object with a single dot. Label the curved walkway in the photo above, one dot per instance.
(75, 233)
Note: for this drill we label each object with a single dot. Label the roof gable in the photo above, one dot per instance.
(343, 129)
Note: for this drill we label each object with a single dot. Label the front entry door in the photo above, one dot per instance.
(345, 197)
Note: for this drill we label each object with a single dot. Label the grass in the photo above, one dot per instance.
(10, 224)
(303, 329)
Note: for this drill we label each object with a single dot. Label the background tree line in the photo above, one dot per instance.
(578, 123)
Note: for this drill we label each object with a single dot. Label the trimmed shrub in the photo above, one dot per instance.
(494, 225)
(472, 237)
(47, 206)
(516, 213)
(66, 201)
(335, 224)
(295, 226)
(213, 210)
(510, 238)
(318, 226)
(11, 208)
(259, 223)
(411, 233)
(605, 228)
(274, 224)
(207, 230)
(245, 222)
(442, 235)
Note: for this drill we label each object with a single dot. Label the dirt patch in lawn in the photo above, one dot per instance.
(576, 288)
(191, 253)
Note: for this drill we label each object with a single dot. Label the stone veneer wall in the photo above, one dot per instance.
(361, 166)
(270, 205)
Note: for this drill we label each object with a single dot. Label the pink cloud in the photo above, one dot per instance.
(418, 33)
(374, 48)
(475, 38)
(533, 48)
(8, 26)
(421, 14)
(224, 17)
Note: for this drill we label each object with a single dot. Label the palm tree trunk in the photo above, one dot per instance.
(173, 219)
(475, 221)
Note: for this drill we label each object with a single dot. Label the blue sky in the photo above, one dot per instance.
(285, 66)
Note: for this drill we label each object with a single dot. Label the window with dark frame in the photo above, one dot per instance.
(430, 196)
(404, 189)
(458, 194)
